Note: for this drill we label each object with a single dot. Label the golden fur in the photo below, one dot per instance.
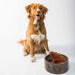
(31, 46)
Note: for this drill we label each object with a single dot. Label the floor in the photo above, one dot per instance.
(12, 61)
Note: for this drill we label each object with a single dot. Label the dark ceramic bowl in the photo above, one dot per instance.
(56, 68)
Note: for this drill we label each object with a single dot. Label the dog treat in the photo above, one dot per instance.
(56, 63)
(57, 58)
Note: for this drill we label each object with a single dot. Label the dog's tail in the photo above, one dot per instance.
(22, 42)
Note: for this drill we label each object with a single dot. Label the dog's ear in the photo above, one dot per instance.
(45, 10)
(28, 8)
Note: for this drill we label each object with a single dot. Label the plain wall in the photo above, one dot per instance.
(59, 22)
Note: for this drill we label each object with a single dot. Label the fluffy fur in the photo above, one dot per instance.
(36, 40)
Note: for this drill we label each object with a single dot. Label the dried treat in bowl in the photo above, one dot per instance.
(57, 57)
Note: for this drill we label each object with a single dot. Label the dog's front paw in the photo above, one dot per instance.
(25, 54)
(47, 52)
(33, 59)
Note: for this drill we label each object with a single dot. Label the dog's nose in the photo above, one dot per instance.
(38, 10)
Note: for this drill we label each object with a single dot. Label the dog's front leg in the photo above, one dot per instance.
(45, 44)
(32, 51)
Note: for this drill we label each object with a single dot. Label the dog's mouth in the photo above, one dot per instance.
(37, 16)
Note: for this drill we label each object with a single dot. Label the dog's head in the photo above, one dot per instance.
(36, 11)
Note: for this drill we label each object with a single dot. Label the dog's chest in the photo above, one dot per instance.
(38, 37)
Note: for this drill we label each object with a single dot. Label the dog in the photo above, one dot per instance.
(36, 39)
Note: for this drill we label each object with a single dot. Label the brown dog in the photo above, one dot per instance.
(36, 40)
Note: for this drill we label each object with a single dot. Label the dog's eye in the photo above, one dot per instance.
(40, 8)
(33, 7)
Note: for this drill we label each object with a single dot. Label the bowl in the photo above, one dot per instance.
(56, 64)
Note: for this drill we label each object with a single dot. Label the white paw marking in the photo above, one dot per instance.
(47, 52)
(33, 59)
(25, 53)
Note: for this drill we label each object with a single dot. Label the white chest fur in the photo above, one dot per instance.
(38, 37)
(35, 22)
